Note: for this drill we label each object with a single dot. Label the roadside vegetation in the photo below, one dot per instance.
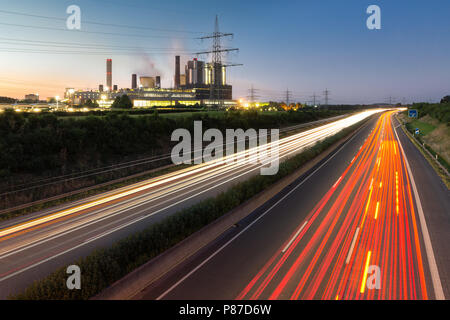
(434, 129)
(438, 111)
(434, 133)
(34, 143)
(105, 266)
(424, 127)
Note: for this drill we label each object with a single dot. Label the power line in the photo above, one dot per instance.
(128, 5)
(98, 23)
(390, 100)
(92, 32)
(32, 46)
(76, 44)
(38, 51)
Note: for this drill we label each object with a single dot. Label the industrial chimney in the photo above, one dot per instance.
(177, 72)
(134, 81)
(109, 73)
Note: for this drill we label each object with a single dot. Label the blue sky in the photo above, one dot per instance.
(305, 46)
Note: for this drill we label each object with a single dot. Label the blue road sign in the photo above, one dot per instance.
(412, 113)
(417, 131)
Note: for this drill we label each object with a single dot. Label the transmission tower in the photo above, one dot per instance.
(288, 97)
(327, 96)
(389, 100)
(217, 51)
(314, 97)
(252, 94)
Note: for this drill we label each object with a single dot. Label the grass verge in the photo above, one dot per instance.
(441, 173)
(424, 128)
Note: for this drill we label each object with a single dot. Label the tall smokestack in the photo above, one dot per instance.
(134, 81)
(177, 71)
(158, 82)
(109, 73)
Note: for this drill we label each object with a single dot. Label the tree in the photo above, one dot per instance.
(91, 104)
(445, 99)
(126, 102)
(7, 100)
(122, 102)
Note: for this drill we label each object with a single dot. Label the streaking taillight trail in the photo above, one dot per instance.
(365, 224)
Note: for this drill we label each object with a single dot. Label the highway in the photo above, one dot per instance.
(374, 207)
(33, 246)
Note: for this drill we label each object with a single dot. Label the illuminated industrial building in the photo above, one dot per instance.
(194, 88)
(200, 75)
(32, 97)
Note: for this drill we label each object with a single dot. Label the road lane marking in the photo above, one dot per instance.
(438, 291)
(352, 246)
(141, 218)
(306, 144)
(396, 191)
(294, 237)
(251, 224)
(377, 209)
(325, 131)
(335, 184)
(366, 268)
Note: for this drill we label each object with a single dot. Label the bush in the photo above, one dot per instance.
(440, 112)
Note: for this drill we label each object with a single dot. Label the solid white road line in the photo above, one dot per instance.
(141, 218)
(251, 224)
(352, 246)
(438, 292)
(294, 237)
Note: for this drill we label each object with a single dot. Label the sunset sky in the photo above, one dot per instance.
(305, 46)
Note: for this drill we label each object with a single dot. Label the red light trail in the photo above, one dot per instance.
(367, 219)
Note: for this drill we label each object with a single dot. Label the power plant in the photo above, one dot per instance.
(191, 88)
(203, 83)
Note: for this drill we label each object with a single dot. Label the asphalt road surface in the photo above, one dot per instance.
(31, 247)
(371, 221)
